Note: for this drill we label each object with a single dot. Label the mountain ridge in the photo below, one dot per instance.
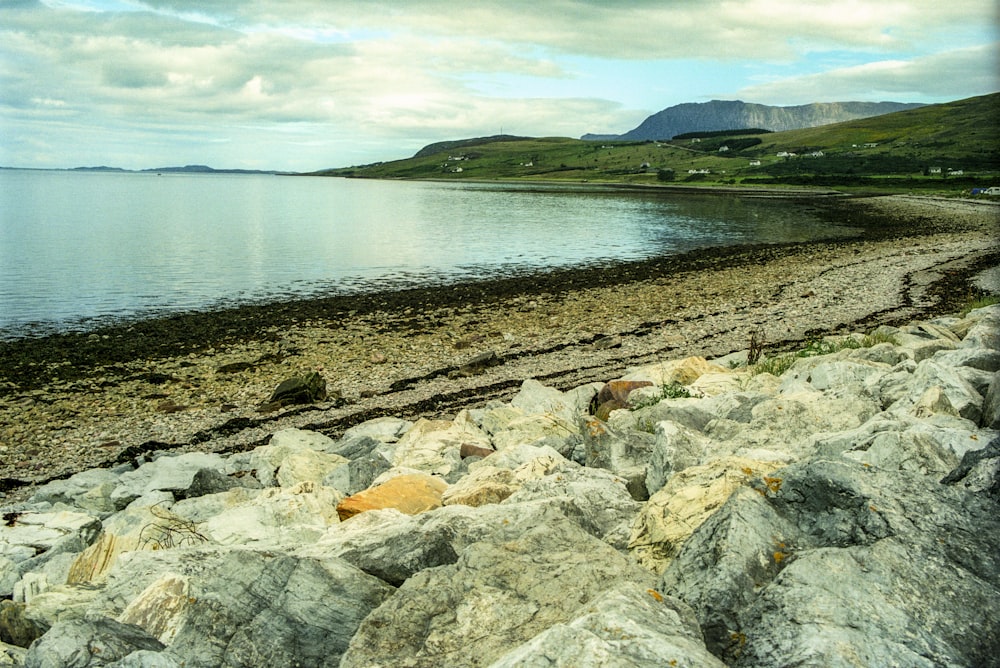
(734, 114)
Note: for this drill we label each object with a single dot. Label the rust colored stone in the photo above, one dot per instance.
(618, 390)
(469, 450)
(411, 494)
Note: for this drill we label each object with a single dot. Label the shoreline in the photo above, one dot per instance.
(75, 401)
(177, 333)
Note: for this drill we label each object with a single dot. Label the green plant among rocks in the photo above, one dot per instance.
(667, 391)
(978, 301)
(779, 364)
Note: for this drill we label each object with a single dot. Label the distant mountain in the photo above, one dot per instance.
(205, 169)
(101, 168)
(734, 114)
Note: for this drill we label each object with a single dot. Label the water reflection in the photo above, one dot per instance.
(78, 246)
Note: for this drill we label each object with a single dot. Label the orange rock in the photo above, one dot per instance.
(410, 494)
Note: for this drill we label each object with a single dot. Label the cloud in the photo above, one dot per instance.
(942, 76)
(638, 29)
(327, 78)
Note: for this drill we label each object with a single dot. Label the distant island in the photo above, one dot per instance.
(187, 169)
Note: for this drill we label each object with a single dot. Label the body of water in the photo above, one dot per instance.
(78, 249)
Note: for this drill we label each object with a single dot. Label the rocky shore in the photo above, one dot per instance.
(593, 474)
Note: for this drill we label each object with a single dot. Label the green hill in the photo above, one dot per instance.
(944, 147)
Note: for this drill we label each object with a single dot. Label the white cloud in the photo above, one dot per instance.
(349, 77)
(941, 76)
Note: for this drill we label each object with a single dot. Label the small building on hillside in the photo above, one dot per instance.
(755, 163)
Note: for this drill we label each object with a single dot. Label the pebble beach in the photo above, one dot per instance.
(202, 382)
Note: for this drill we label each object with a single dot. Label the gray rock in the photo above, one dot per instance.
(596, 500)
(307, 389)
(625, 454)
(212, 481)
(537, 399)
(80, 489)
(991, 404)
(623, 628)
(356, 447)
(360, 472)
(986, 332)
(883, 353)
(392, 546)
(145, 658)
(690, 413)
(29, 541)
(735, 406)
(384, 429)
(785, 575)
(675, 448)
(212, 606)
(171, 473)
(980, 380)
(979, 471)
(497, 596)
(84, 643)
(11, 656)
(976, 358)
(928, 374)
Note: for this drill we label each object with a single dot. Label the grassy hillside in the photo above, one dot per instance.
(912, 150)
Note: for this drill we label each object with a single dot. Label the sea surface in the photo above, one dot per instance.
(83, 249)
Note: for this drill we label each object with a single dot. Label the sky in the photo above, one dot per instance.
(302, 85)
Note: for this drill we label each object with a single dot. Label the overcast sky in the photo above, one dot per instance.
(306, 84)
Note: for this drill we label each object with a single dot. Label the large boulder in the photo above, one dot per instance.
(86, 643)
(689, 498)
(215, 606)
(285, 516)
(497, 596)
(434, 446)
(785, 572)
(289, 449)
(675, 372)
(169, 473)
(88, 490)
(624, 453)
(625, 627)
(991, 404)
(961, 397)
(410, 493)
(30, 541)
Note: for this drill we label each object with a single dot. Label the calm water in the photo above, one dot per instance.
(78, 248)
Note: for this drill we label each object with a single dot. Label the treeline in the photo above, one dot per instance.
(720, 133)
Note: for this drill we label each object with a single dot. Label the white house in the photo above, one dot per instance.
(755, 163)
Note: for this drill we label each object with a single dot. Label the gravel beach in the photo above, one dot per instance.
(198, 382)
